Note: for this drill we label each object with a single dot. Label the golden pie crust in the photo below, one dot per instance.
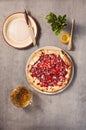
(34, 81)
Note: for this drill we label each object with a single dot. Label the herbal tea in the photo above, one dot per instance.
(21, 97)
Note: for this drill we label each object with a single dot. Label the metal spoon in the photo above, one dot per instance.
(71, 36)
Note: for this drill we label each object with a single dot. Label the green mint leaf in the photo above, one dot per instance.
(58, 32)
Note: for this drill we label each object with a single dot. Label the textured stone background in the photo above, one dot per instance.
(65, 111)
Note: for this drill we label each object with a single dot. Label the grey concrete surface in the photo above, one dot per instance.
(64, 111)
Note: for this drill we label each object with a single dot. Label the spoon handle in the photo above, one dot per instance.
(71, 36)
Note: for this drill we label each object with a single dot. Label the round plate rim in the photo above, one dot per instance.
(49, 93)
(3, 28)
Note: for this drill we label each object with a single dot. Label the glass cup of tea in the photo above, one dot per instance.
(21, 97)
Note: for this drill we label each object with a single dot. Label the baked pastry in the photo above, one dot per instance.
(49, 70)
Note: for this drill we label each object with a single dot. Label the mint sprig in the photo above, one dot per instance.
(57, 23)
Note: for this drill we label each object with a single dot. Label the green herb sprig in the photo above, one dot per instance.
(57, 23)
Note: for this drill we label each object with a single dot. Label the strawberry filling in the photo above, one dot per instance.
(50, 70)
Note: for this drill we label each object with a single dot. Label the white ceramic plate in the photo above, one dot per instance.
(56, 48)
(16, 32)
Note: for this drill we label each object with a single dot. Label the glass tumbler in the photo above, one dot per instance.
(21, 96)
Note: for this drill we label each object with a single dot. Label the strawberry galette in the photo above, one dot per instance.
(49, 70)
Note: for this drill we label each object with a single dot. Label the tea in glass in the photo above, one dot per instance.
(21, 97)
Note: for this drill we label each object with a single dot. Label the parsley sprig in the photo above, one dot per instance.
(57, 23)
